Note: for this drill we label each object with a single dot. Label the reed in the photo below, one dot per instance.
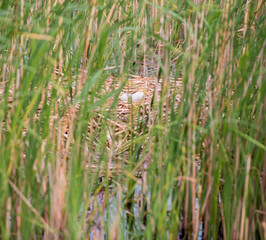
(187, 161)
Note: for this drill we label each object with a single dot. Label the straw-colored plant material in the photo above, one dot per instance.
(138, 85)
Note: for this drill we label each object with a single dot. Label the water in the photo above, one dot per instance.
(110, 216)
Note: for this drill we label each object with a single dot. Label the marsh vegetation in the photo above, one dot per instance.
(132, 119)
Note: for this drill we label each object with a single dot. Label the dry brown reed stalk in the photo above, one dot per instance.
(57, 176)
(21, 39)
(8, 216)
(88, 37)
(48, 9)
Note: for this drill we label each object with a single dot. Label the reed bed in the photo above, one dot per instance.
(186, 162)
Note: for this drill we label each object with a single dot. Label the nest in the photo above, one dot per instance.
(127, 115)
(147, 85)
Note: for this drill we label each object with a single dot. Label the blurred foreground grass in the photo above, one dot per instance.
(70, 168)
